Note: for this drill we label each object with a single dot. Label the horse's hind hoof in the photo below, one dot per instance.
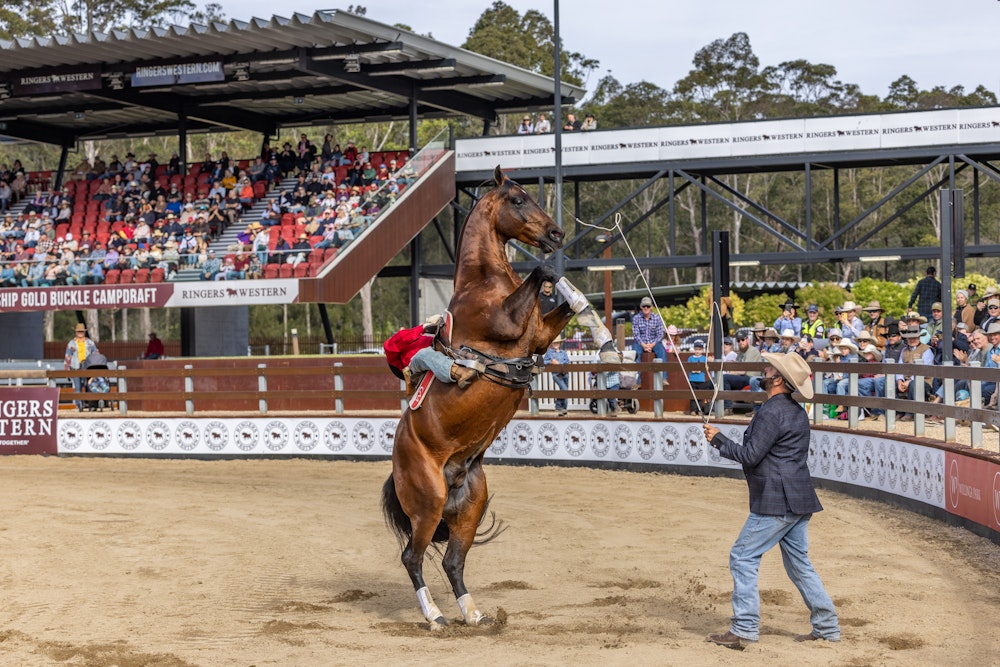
(439, 623)
(484, 621)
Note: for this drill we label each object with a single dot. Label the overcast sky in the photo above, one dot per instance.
(870, 42)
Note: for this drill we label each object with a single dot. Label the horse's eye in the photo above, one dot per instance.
(517, 201)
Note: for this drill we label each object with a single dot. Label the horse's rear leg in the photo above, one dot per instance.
(422, 496)
(466, 503)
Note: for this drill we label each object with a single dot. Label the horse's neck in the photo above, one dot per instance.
(482, 256)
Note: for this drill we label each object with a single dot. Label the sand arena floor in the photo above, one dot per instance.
(175, 563)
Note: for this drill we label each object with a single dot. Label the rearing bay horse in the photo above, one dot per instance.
(437, 489)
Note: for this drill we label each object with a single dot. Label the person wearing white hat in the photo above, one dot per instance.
(774, 456)
(789, 340)
(847, 318)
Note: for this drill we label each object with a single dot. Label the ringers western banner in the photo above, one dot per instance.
(150, 295)
(28, 420)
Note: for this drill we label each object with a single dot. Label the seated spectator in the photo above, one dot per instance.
(210, 269)
(916, 352)
(698, 377)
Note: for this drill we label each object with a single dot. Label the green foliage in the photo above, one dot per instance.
(526, 41)
(891, 296)
(826, 296)
(765, 308)
(695, 314)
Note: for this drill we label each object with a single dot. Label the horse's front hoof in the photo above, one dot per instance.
(483, 621)
(439, 623)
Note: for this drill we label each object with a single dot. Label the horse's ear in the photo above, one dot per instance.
(498, 176)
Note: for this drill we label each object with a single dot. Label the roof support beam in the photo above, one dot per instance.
(448, 101)
(238, 119)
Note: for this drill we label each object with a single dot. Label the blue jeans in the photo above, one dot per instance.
(759, 534)
(429, 359)
(561, 380)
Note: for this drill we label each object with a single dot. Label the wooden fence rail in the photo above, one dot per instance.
(327, 385)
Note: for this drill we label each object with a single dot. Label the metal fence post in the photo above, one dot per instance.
(338, 387)
(532, 401)
(918, 399)
(976, 403)
(122, 389)
(262, 388)
(602, 403)
(403, 403)
(658, 402)
(188, 389)
(890, 393)
(853, 410)
(949, 399)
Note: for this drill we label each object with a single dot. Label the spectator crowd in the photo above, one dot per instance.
(135, 220)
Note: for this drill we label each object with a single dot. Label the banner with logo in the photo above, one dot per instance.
(29, 420)
(793, 136)
(151, 295)
(181, 73)
(60, 81)
(973, 488)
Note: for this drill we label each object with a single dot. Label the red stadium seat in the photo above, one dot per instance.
(157, 275)
(142, 276)
(329, 254)
(271, 271)
(302, 270)
(126, 277)
(112, 276)
(286, 271)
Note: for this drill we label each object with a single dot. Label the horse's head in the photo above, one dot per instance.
(518, 216)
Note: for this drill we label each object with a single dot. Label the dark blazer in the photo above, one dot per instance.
(774, 453)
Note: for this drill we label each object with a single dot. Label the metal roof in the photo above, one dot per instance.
(280, 72)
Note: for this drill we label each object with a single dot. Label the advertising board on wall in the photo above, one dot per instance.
(150, 295)
(29, 420)
(734, 140)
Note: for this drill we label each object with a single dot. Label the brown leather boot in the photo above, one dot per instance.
(463, 375)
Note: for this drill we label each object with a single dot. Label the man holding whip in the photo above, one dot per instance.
(782, 500)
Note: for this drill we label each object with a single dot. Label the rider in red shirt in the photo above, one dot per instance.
(411, 351)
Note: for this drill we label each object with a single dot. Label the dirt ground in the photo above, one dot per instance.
(287, 562)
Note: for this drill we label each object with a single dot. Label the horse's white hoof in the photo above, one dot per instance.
(439, 623)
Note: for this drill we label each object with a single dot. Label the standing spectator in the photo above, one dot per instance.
(925, 293)
(77, 350)
(542, 126)
(876, 323)
(964, 311)
(648, 331)
(557, 355)
(547, 299)
(774, 455)
(572, 124)
(526, 127)
(789, 318)
(154, 350)
(589, 123)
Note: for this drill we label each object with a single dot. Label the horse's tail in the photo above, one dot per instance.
(398, 521)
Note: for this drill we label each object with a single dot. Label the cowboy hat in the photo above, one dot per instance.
(872, 350)
(794, 369)
(830, 333)
(873, 306)
(558, 339)
(847, 307)
(80, 327)
(759, 326)
(864, 335)
(769, 332)
(914, 315)
(994, 328)
(789, 333)
(849, 344)
(910, 331)
(788, 305)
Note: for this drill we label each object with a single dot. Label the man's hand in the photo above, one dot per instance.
(710, 432)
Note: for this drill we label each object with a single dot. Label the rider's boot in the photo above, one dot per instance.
(463, 375)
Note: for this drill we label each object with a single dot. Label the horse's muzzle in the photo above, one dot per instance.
(555, 235)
